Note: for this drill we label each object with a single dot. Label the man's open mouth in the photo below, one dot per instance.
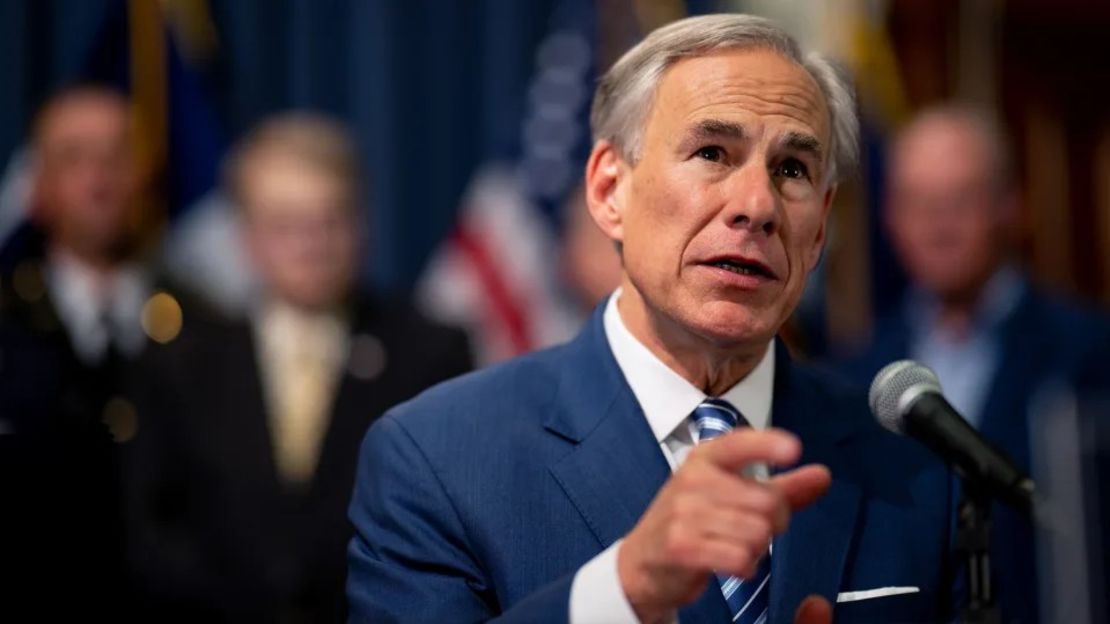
(743, 267)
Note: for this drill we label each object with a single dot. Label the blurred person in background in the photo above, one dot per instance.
(971, 314)
(247, 458)
(71, 299)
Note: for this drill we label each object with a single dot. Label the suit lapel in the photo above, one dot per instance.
(617, 467)
(1021, 352)
(810, 557)
(370, 381)
(355, 403)
(248, 413)
(347, 415)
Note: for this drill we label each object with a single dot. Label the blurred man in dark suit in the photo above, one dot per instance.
(72, 293)
(971, 314)
(251, 430)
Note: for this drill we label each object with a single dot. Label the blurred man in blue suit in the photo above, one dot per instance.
(624, 476)
(970, 314)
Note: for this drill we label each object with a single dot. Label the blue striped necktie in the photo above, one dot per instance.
(747, 599)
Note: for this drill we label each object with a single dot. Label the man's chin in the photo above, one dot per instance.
(730, 331)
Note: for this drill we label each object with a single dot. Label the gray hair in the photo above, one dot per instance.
(625, 92)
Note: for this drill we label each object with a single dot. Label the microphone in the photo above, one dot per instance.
(906, 398)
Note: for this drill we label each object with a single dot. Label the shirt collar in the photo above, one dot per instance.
(665, 397)
(115, 292)
(283, 327)
(85, 298)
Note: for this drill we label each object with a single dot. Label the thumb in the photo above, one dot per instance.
(801, 486)
(813, 610)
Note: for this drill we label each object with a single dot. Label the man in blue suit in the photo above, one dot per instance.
(632, 474)
(991, 336)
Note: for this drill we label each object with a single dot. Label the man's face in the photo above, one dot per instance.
(944, 213)
(724, 214)
(301, 233)
(87, 180)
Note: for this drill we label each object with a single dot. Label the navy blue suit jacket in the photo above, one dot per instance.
(1042, 340)
(482, 497)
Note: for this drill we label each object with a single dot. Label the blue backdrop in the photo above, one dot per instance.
(430, 88)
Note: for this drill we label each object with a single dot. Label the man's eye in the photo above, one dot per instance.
(711, 153)
(793, 168)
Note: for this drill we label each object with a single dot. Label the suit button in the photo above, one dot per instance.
(367, 357)
(121, 419)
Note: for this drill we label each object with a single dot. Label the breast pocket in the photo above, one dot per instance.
(893, 605)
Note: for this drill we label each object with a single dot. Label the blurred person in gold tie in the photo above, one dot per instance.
(246, 464)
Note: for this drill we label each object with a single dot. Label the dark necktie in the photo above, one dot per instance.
(747, 598)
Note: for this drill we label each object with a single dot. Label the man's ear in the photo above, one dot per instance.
(819, 242)
(606, 178)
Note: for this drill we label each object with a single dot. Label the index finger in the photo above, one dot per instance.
(742, 447)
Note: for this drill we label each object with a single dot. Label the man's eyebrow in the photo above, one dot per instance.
(718, 128)
(711, 130)
(801, 142)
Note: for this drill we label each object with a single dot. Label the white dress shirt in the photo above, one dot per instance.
(667, 401)
(98, 308)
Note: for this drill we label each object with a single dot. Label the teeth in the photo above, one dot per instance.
(738, 269)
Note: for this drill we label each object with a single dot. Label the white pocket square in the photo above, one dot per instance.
(868, 594)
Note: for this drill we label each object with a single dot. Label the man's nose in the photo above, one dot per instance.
(753, 201)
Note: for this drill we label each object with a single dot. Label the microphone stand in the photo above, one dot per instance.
(973, 533)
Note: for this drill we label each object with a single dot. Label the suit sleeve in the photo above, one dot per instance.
(410, 558)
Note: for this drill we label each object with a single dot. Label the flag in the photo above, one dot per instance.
(497, 274)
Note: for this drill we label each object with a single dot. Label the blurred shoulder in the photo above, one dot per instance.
(520, 390)
(396, 316)
(1067, 316)
(421, 352)
(185, 329)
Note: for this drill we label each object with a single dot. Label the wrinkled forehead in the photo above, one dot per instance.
(737, 84)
